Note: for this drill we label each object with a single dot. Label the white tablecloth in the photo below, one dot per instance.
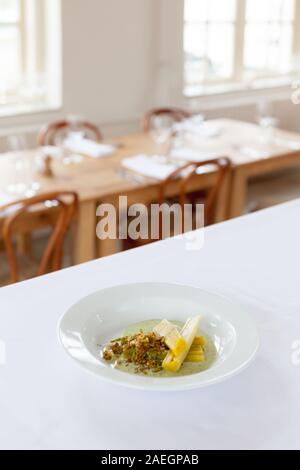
(49, 402)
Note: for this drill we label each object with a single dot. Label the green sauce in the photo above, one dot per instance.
(188, 368)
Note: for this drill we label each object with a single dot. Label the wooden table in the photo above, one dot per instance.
(100, 180)
(253, 153)
(281, 153)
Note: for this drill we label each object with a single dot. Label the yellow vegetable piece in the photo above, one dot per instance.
(173, 338)
(199, 341)
(195, 358)
(173, 363)
(196, 354)
(179, 347)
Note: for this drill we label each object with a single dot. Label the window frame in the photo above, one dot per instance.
(33, 37)
(237, 82)
(19, 25)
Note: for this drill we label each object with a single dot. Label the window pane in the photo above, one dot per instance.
(270, 10)
(210, 10)
(195, 41)
(268, 47)
(269, 36)
(220, 50)
(224, 10)
(9, 55)
(194, 46)
(9, 11)
(195, 10)
(208, 51)
(209, 39)
(285, 48)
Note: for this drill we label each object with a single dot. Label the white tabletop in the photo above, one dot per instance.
(48, 402)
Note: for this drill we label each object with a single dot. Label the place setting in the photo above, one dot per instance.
(181, 339)
(174, 148)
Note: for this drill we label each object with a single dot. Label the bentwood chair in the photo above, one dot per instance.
(221, 166)
(175, 114)
(54, 210)
(55, 132)
(183, 176)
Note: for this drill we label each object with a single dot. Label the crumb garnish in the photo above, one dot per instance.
(145, 351)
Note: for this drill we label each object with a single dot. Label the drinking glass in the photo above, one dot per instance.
(22, 183)
(161, 129)
(195, 107)
(75, 127)
(75, 133)
(195, 124)
(267, 121)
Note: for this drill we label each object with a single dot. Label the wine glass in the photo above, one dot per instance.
(195, 124)
(194, 106)
(75, 134)
(22, 183)
(75, 127)
(161, 131)
(267, 121)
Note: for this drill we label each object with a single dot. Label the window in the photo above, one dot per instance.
(29, 58)
(239, 43)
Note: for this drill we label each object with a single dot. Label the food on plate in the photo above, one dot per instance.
(173, 339)
(173, 361)
(196, 353)
(161, 349)
(146, 351)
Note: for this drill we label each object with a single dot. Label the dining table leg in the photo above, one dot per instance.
(109, 246)
(238, 197)
(106, 247)
(85, 238)
(223, 200)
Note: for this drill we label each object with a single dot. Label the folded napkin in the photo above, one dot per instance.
(88, 147)
(252, 152)
(153, 167)
(193, 155)
(289, 144)
(206, 130)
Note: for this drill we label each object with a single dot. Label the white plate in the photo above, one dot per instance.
(101, 316)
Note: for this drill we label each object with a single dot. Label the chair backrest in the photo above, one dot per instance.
(185, 173)
(175, 114)
(50, 133)
(53, 209)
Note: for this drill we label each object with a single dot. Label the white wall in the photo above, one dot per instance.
(109, 77)
(109, 54)
(121, 57)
